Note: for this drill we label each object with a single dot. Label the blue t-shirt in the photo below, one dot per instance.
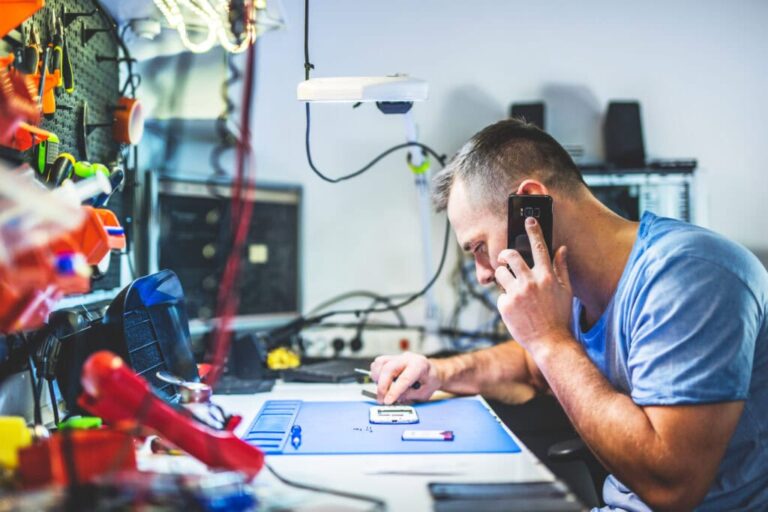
(688, 324)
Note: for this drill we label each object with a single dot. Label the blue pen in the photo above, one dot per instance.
(296, 436)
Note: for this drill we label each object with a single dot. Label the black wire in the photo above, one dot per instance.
(364, 320)
(35, 394)
(54, 405)
(362, 293)
(131, 76)
(416, 295)
(39, 399)
(443, 331)
(307, 65)
(226, 138)
(378, 504)
(299, 323)
(369, 165)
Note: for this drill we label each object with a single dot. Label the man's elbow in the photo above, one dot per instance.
(672, 498)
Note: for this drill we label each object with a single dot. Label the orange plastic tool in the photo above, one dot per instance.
(18, 103)
(100, 233)
(49, 97)
(15, 12)
(37, 277)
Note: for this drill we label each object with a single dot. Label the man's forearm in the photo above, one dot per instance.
(501, 372)
(609, 421)
(618, 431)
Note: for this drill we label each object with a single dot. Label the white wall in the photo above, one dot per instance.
(697, 67)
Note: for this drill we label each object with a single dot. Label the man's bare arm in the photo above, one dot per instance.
(668, 455)
(505, 372)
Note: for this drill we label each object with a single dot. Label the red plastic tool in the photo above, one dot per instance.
(82, 454)
(116, 394)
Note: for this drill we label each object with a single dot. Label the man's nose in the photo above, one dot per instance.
(485, 275)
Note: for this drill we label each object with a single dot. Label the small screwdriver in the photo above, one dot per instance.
(67, 74)
(55, 45)
(415, 385)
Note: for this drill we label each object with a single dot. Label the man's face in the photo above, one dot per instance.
(479, 231)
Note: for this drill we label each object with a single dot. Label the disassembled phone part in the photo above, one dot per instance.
(393, 414)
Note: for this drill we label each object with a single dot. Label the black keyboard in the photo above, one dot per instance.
(334, 370)
(231, 385)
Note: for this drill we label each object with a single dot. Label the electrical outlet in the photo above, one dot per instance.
(318, 342)
(390, 341)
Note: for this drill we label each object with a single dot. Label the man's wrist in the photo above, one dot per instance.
(549, 346)
(440, 370)
(450, 369)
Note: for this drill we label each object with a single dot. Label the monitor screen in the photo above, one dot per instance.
(195, 236)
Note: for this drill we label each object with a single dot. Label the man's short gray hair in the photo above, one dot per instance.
(499, 157)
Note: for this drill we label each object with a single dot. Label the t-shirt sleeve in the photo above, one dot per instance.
(693, 325)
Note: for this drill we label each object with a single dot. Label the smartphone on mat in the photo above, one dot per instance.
(520, 207)
(393, 414)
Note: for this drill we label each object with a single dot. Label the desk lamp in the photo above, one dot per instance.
(393, 95)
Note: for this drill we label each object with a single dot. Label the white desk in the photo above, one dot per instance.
(400, 480)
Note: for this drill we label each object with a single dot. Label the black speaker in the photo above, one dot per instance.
(146, 325)
(530, 112)
(623, 135)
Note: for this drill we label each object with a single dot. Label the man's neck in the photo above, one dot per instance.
(599, 243)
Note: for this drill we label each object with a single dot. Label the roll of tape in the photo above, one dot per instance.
(128, 127)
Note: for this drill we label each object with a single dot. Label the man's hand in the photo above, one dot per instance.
(536, 305)
(407, 368)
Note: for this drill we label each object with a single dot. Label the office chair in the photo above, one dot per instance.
(545, 429)
(575, 450)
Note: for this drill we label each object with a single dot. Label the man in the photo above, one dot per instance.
(652, 335)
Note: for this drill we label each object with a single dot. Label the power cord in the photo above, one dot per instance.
(363, 323)
(378, 504)
(369, 165)
(37, 389)
(54, 404)
(242, 209)
(360, 293)
(226, 138)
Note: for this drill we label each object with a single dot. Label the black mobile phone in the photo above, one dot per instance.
(521, 207)
(496, 490)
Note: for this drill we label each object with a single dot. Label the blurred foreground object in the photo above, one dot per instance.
(48, 244)
(116, 394)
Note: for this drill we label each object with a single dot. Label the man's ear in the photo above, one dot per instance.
(532, 187)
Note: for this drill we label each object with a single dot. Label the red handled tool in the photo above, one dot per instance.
(115, 393)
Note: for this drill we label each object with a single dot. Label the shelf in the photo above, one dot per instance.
(682, 166)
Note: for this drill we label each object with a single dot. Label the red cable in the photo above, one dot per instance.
(242, 209)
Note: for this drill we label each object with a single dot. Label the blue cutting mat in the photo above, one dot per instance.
(334, 428)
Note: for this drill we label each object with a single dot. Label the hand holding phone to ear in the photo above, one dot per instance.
(537, 302)
(519, 208)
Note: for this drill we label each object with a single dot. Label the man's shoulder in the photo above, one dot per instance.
(690, 250)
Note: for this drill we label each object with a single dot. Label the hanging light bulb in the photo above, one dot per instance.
(234, 24)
